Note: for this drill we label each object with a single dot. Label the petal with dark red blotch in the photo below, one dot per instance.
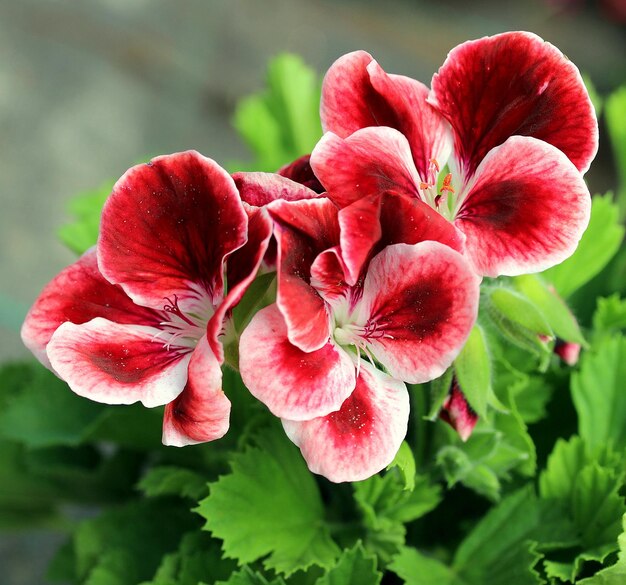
(201, 411)
(349, 101)
(241, 268)
(410, 221)
(526, 209)
(303, 229)
(293, 384)
(457, 412)
(167, 227)
(118, 364)
(260, 189)
(78, 294)
(372, 161)
(301, 172)
(428, 133)
(419, 303)
(514, 84)
(363, 436)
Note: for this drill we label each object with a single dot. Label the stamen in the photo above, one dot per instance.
(175, 310)
(446, 184)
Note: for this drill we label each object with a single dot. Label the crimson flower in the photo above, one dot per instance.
(497, 146)
(331, 358)
(138, 319)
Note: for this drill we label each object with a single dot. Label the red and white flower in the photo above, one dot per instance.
(497, 146)
(139, 319)
(330, 358)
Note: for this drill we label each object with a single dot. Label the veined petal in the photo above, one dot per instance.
(420, 302)
(372, 161)
(118, 364)
(363, 436)
(429, 134)
(514, 84)
(201, 412)
(301, 172)
(78, 294)
(293, 384)
(526, 209)
(260, 189)
(167, 227)
(328, 275)
(242, 267)
(303, 229)
(349, 101)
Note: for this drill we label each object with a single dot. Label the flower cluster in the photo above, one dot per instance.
(378, 240)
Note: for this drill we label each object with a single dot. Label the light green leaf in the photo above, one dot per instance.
(405, 462)
(598, 245)
(173, 481)
(473, 371)
(247, 576)
(609, 317)
(439, 390)
(82, 233)
(555, 311)
(270, 505)
(598, 393)
(355, 567)
(282, 123)
(416, 568)
(520, 310)
(615, 114)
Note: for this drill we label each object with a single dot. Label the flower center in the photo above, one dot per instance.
(437, 197)
(185, 328)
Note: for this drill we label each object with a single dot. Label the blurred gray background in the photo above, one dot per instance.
(89, 88)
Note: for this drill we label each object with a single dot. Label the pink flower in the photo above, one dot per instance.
(312, 357)
(457, 412)
(497, 146)
(139, 319)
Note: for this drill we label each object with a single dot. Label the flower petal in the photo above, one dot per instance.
(349, 101)
(167, 227)
(242, 267)
(293, 384)
(328, 275)
(301, 172)
(363, 436)
(371, 161)
(201, 411)
(526, 209)
(514, 84)
(118, 364)
(260, 189)
(420, 302)
(78, 294)
(428, 133)
(303, 229)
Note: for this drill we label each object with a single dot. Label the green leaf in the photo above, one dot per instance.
(439, 390)
(198, 558)
(270, 505)
(418, 569)
(598, 245)
(247, 576)
(473, 371)
(405, 462)
(555, 311)
(520, 310)
(609, 317)
(598, 393)
(283, 122)
(355, 567)
(173, 481)
(40, 410)
(616, 574)
(125, 545)
(615, 114)
(596, 98)
(82, 233)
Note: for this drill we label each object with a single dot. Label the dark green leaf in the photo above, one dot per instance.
(173, 481)
(354, 567)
